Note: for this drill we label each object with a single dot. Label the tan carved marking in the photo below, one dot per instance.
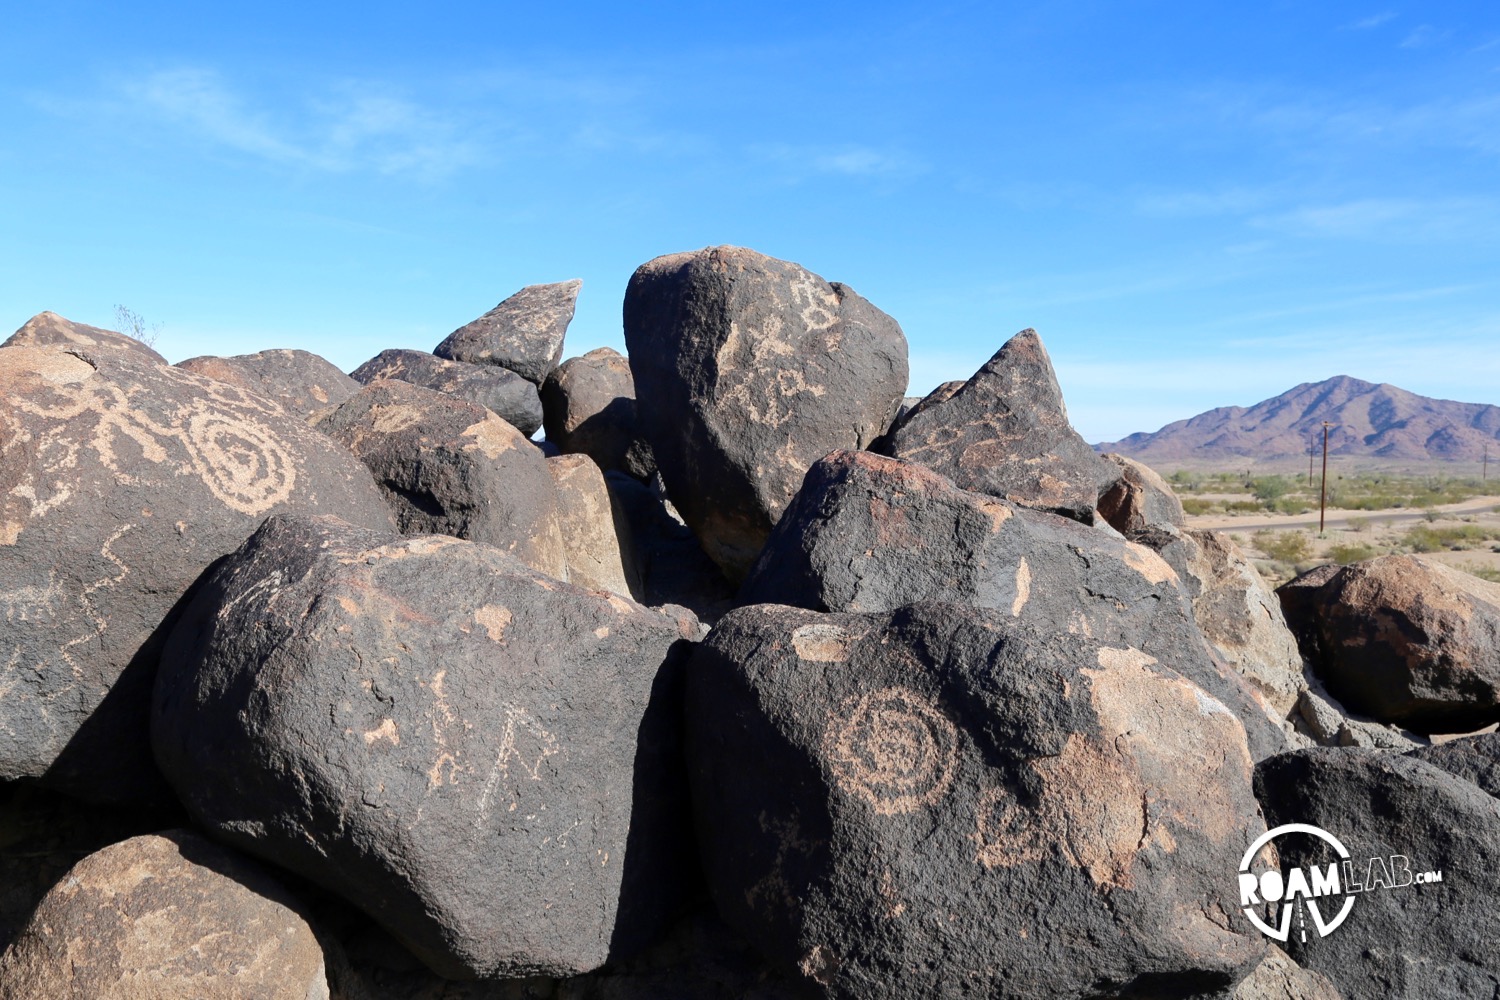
(1091, 809)
(821, 643)
(492, 436)
(241, 461)
(1147, 563)
(385, 731)
(495, 620)
(523, 742)
(1023, 587)
(1180, 739)
(86, 599)
(893, 748)
(997, 512)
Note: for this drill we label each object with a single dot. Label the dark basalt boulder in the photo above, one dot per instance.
(941, 802)
(506, 394)
(484, 760)
(1139, 500)
(1006, 433)
(48, 329)
(303, 383)
(165, 915)
(121, 481)
(751, 369)
(870, 533)
(1404, 639)
(523, 334)
(1476, 759)
(670, 566)
(44, 833)
(451, 467)
(1402, 939)
(589, 407)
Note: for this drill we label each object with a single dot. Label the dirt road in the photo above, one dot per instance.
(1338, 518)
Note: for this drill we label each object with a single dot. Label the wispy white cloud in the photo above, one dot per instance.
(1373, 21)
(1422, 36)
(850, 160)
(1404, 219)
(352, 126)
(1195, 204)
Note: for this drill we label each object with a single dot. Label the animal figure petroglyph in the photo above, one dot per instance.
(893, 748)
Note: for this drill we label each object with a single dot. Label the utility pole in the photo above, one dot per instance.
(1486, 476)
(1323, 500)
(1312, 450)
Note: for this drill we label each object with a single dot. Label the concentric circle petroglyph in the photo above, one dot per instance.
(893, 748)
(241, 462)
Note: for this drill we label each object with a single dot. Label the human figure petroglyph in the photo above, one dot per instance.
(524, 742)
(893, 748)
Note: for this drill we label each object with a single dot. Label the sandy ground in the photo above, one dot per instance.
(1383, 531)
(1336, 518)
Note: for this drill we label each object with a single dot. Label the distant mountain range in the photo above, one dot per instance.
(1374, 421)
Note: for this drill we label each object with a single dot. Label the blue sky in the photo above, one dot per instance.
(1194, 204)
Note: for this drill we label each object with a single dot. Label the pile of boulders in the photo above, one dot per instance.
(754, 679)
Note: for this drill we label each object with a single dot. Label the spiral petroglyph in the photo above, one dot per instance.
(893, 748)
(240, 461)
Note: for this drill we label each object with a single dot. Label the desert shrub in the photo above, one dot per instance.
(1459, 536)
(1268, 489)
(1489, 573)
(1283, 546)
(1358, 525)
(1345, 553)
(1195, 506)
(1243, 507)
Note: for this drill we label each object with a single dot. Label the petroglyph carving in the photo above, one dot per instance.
(241, 461)
(821, 643)
(1091, 809)
(893, 748)
(525, 743)
(86, 599)
(1023, 587)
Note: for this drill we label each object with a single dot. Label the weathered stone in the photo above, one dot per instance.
(671, 566)
(870, 533)
(700, 958)
(48, 329)
(121, 480)
(1475, 759)
(588, 406)
(44, 833)
(595, 531)
(167, 915)
(1006, 433)
(1402, 939)
(940, 802)
(483, 759)
(1403, 639)
(1241, 616)
(504, 392)
(451, 467)
(1322, 718)
(753, 369)
(1279, 978)
(303, 383)
(523, 334)
(1139, 500)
